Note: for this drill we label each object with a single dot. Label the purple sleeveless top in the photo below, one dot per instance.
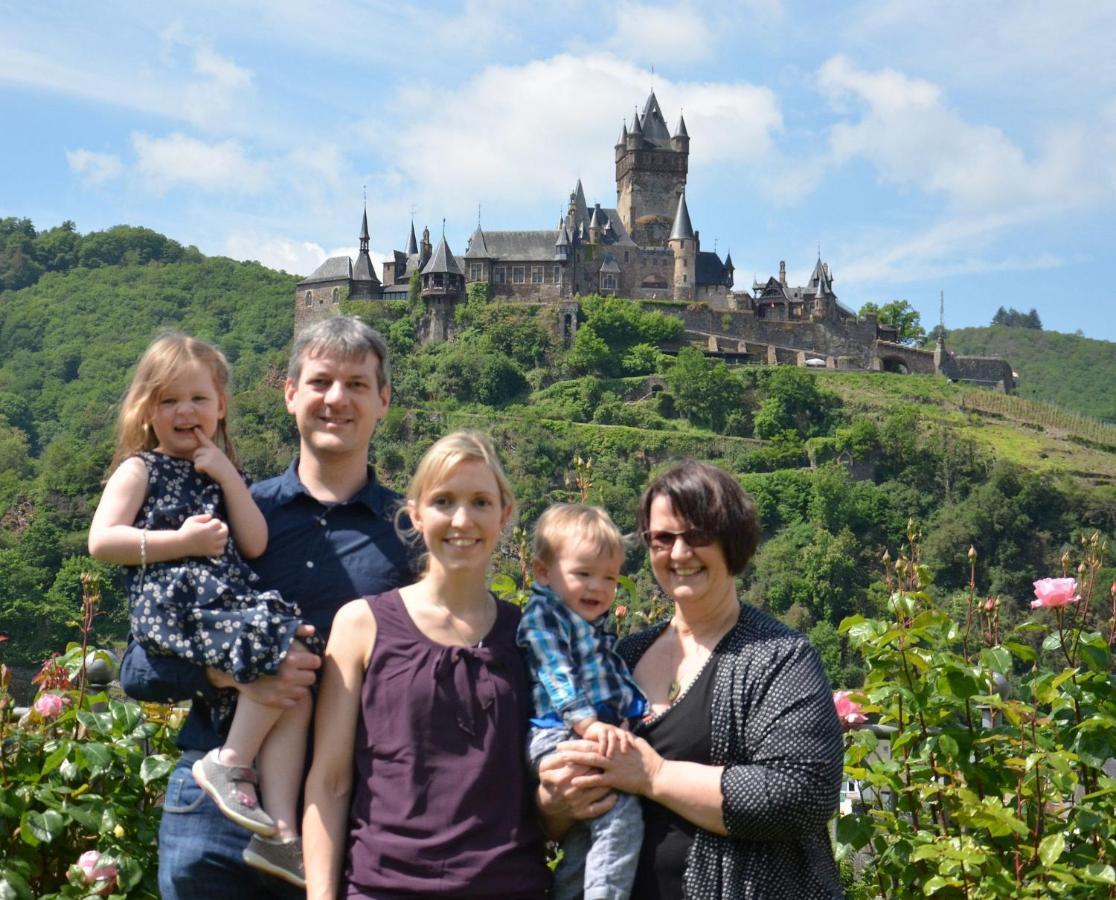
(442, 802)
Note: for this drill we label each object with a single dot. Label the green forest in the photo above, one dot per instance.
(842, 465)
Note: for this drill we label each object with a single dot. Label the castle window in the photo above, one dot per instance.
(557, 274)
(517, 275)
(498, 275)
(536, 274)
(625, 256)
(309, 298)
(475, 271)
(608, 282)
(685, 278)
(337, 295)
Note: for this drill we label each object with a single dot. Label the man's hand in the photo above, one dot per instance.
(203, 535)
(559, 800)
(290, 684)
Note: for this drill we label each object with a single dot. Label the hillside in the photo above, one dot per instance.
(838, 462)
(1067, 370)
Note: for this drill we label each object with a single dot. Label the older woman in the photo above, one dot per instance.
(739, 761)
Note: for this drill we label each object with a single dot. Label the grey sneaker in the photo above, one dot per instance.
(220, 783)
(283, 859)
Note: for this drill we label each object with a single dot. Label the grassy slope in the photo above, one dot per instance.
(1072, 371)
(1016, 434)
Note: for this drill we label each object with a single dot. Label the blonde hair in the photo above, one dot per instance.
(567, 525)
(449, 451)
(160, 364)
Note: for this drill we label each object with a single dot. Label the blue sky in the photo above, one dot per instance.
(961, 147)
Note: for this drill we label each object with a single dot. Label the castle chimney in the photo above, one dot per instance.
(783, 272)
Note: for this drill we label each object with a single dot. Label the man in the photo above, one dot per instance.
(331, 539)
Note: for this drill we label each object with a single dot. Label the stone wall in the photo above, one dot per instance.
(317, 301)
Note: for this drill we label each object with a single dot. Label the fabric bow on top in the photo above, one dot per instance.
(463, 679)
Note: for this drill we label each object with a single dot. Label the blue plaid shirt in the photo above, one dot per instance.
(575, 670)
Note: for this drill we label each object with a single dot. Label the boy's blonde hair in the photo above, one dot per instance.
(566, 525)
(160, 364)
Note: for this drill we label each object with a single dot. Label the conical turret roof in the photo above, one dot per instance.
(681, 131)
(443, 262)
(682, 229)
(478, 249)
(412, 244)
(362, 268)
(653, 124)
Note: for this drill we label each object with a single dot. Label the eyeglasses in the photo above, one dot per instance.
(665, 540)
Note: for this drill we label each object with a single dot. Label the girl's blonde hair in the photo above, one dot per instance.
(439, 460)
(160, 364)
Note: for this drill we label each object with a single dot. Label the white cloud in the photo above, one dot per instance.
(660, 34)
(288, 254)
(515, 135)
(94, 168)
(180, 160)
(914, 139)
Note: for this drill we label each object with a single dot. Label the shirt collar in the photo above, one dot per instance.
(598, 624)
(373, 494)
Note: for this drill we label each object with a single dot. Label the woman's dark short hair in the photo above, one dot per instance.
(709, 499)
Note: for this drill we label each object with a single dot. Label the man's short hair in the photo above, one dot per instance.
(711, 500)
(342, 337)
(567, 525)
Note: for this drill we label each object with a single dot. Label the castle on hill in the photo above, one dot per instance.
(644, 248)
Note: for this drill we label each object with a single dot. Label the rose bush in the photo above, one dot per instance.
(81, 778)
(991, 782)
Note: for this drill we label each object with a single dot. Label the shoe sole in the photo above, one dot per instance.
(264, 865)
(227, 811)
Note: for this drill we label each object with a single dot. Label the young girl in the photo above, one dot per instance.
(419, 786)
(177, 514)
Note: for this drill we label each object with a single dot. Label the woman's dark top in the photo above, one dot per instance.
(442, 803)
(680, 732)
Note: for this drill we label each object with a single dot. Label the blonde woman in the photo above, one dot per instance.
(419, 786)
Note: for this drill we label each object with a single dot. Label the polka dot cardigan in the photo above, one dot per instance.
(775, 730)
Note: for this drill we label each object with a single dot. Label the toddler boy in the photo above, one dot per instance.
(580, 686)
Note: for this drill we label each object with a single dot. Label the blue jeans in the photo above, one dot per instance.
(599, 857)
(200, 850)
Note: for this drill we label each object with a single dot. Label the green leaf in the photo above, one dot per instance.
(55, 759)
(997, 659)
(1021, 651)
(502, 585)
(1101, 873)
(1094, 652)
(1051, 848)
(97, 757)
(44, 826)
(926, 851)
(155, 767)
(855, 829)
(935, 884)
(1052, 642)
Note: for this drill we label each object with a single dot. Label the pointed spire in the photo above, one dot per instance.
(594, 222)
(682, 230)
(680, 131)
(728, 262)
(637, 128)
(563, 237)
(364, 231)
(623, 139)
(412, 244)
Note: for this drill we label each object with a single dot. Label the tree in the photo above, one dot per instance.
(706, 392)
(902, 315)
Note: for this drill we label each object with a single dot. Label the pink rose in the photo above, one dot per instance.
(97, 868)
(621, 611)
(847, 711)
(48, 705)
(1054, 592)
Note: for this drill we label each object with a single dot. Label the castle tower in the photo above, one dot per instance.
(651, 175)
(365, 284)
(443, 285)
(683, 243)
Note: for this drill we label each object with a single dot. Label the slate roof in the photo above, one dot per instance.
(682, 229)
(336, 268)
(477, 248)
(708, 269)
(443, 262)
(610, 264)
(412, 244)
(362, 269)
(526, 246)
(653, 125)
